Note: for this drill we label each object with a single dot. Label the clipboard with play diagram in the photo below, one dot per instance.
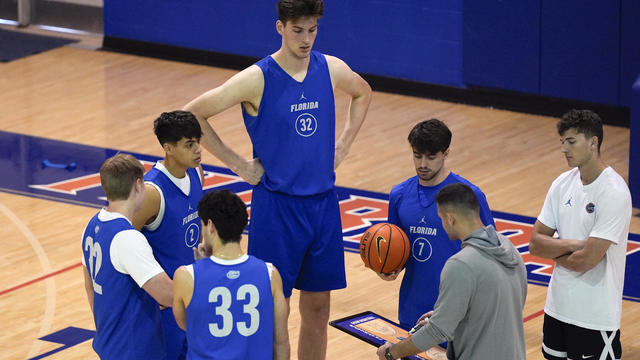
(376, 330)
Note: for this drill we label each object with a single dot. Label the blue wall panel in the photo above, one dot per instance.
(420, 40)
(634, 145)
(502, 44)
(580, 50)
(630, 49)
(576, 49)
(222, 26)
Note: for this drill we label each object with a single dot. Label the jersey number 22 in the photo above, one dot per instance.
(95, 261)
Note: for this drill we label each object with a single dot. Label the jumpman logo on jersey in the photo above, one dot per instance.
(568, 202)
(422, 221)
(190, 208)
(302, 96)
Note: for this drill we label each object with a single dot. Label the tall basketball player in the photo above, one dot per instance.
(287, 101)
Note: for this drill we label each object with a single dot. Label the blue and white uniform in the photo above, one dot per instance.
(412, 207)
(230, 315)
(172, 236)
(295, 217)
(120, 261)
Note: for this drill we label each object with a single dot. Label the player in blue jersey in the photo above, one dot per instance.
(123, 280)
(482, 294)
(412, 207)
(230, 304)
(287, 101)
(169, 216)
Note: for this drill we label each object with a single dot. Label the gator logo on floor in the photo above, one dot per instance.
(69, 172)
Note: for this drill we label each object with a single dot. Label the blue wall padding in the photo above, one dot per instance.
(630, 48)
(236, 27)
(419, 40)
(502, 44)
(634, 144)
(584, 50)
(580, 50)
(415, 40)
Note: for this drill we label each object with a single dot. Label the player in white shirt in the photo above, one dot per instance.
(590, 208)
(123, 281)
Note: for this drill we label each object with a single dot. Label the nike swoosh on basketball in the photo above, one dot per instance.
(378, 240)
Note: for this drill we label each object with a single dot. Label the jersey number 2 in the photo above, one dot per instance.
(227, 317)
(95, 252)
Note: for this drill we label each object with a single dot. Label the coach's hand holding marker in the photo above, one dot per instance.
(415, 328)
(424, 319)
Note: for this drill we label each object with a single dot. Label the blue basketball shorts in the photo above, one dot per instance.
(301, 236)
(175, 338)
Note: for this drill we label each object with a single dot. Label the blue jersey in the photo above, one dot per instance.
(127, 319)
(179, 231)
(172, 242)
(294, 131)
(413, 208)
(230, 315)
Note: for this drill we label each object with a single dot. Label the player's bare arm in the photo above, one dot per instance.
(149, 208)
(586, 258)
(182, 292)
(345, 79)
(160, 287)
(282, 349)
(244, 88)
(201, 175)
(544, 245)
(88, 286)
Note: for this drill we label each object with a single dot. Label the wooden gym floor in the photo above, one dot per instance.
(110, 100)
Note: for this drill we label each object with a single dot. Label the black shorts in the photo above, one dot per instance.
(561, 341)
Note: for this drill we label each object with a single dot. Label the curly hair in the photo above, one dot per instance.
(585, 122)
(227, 211)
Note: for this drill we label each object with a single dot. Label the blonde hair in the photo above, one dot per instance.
(118, 174)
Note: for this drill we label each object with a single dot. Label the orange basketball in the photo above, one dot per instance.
(384, 248)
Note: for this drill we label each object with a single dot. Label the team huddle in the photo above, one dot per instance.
(166, 276)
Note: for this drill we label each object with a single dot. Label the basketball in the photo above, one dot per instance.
(384, 248)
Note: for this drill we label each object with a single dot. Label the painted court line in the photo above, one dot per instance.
(6, 291)
(50, 292)
(533, 316)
